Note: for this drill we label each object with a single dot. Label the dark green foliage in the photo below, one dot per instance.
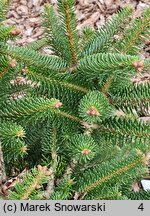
(135, 97)
(94, 107)
(34, 58)
(13, 143)
(31, 182)
(63, 190)
(101, 40)
(3, 9)
(77, 112)
(82, 148)
(133, 131)
(135, 35)
(37, 45)
(68, 25)
(142, 195)
(115, 64)
(5, 33)
(99, 176)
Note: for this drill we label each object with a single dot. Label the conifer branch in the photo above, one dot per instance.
(68, 18)
(106, 194)
(63, 190)
(55, 35)
(106, 86)
(108, 63)
(34, 58)
(133, 40)
(121, 128)
(85, 126)
(47, 107)
(133, 97)
(5, 33)
(51, 181)
(50, 184)
(9, 130)
(72, 117)
(32, 186)
(2, 74)
(101, 40)
(69, 32)
(3, 9)
(134, 34)
(119, 169)
(2, 167)
(61, 83)
(32, 181)
(37, 45)
(70, 168)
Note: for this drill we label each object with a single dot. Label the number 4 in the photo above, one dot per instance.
(141, 207)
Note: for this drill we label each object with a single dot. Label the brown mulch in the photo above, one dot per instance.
(26, 14)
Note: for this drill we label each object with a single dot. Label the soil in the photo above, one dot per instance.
(26, 14)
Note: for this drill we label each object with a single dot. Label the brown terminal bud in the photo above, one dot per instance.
(37, 187)
(93, 111)
(48, 173)
(13, 63)
(15, 32)
(139, 65)
(86, 151)
(135, 64)
(25, 70)
(58, 104)
(39, 168)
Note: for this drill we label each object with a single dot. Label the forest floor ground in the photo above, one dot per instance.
(26, 14)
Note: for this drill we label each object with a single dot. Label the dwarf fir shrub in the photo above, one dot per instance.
(74, 121)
